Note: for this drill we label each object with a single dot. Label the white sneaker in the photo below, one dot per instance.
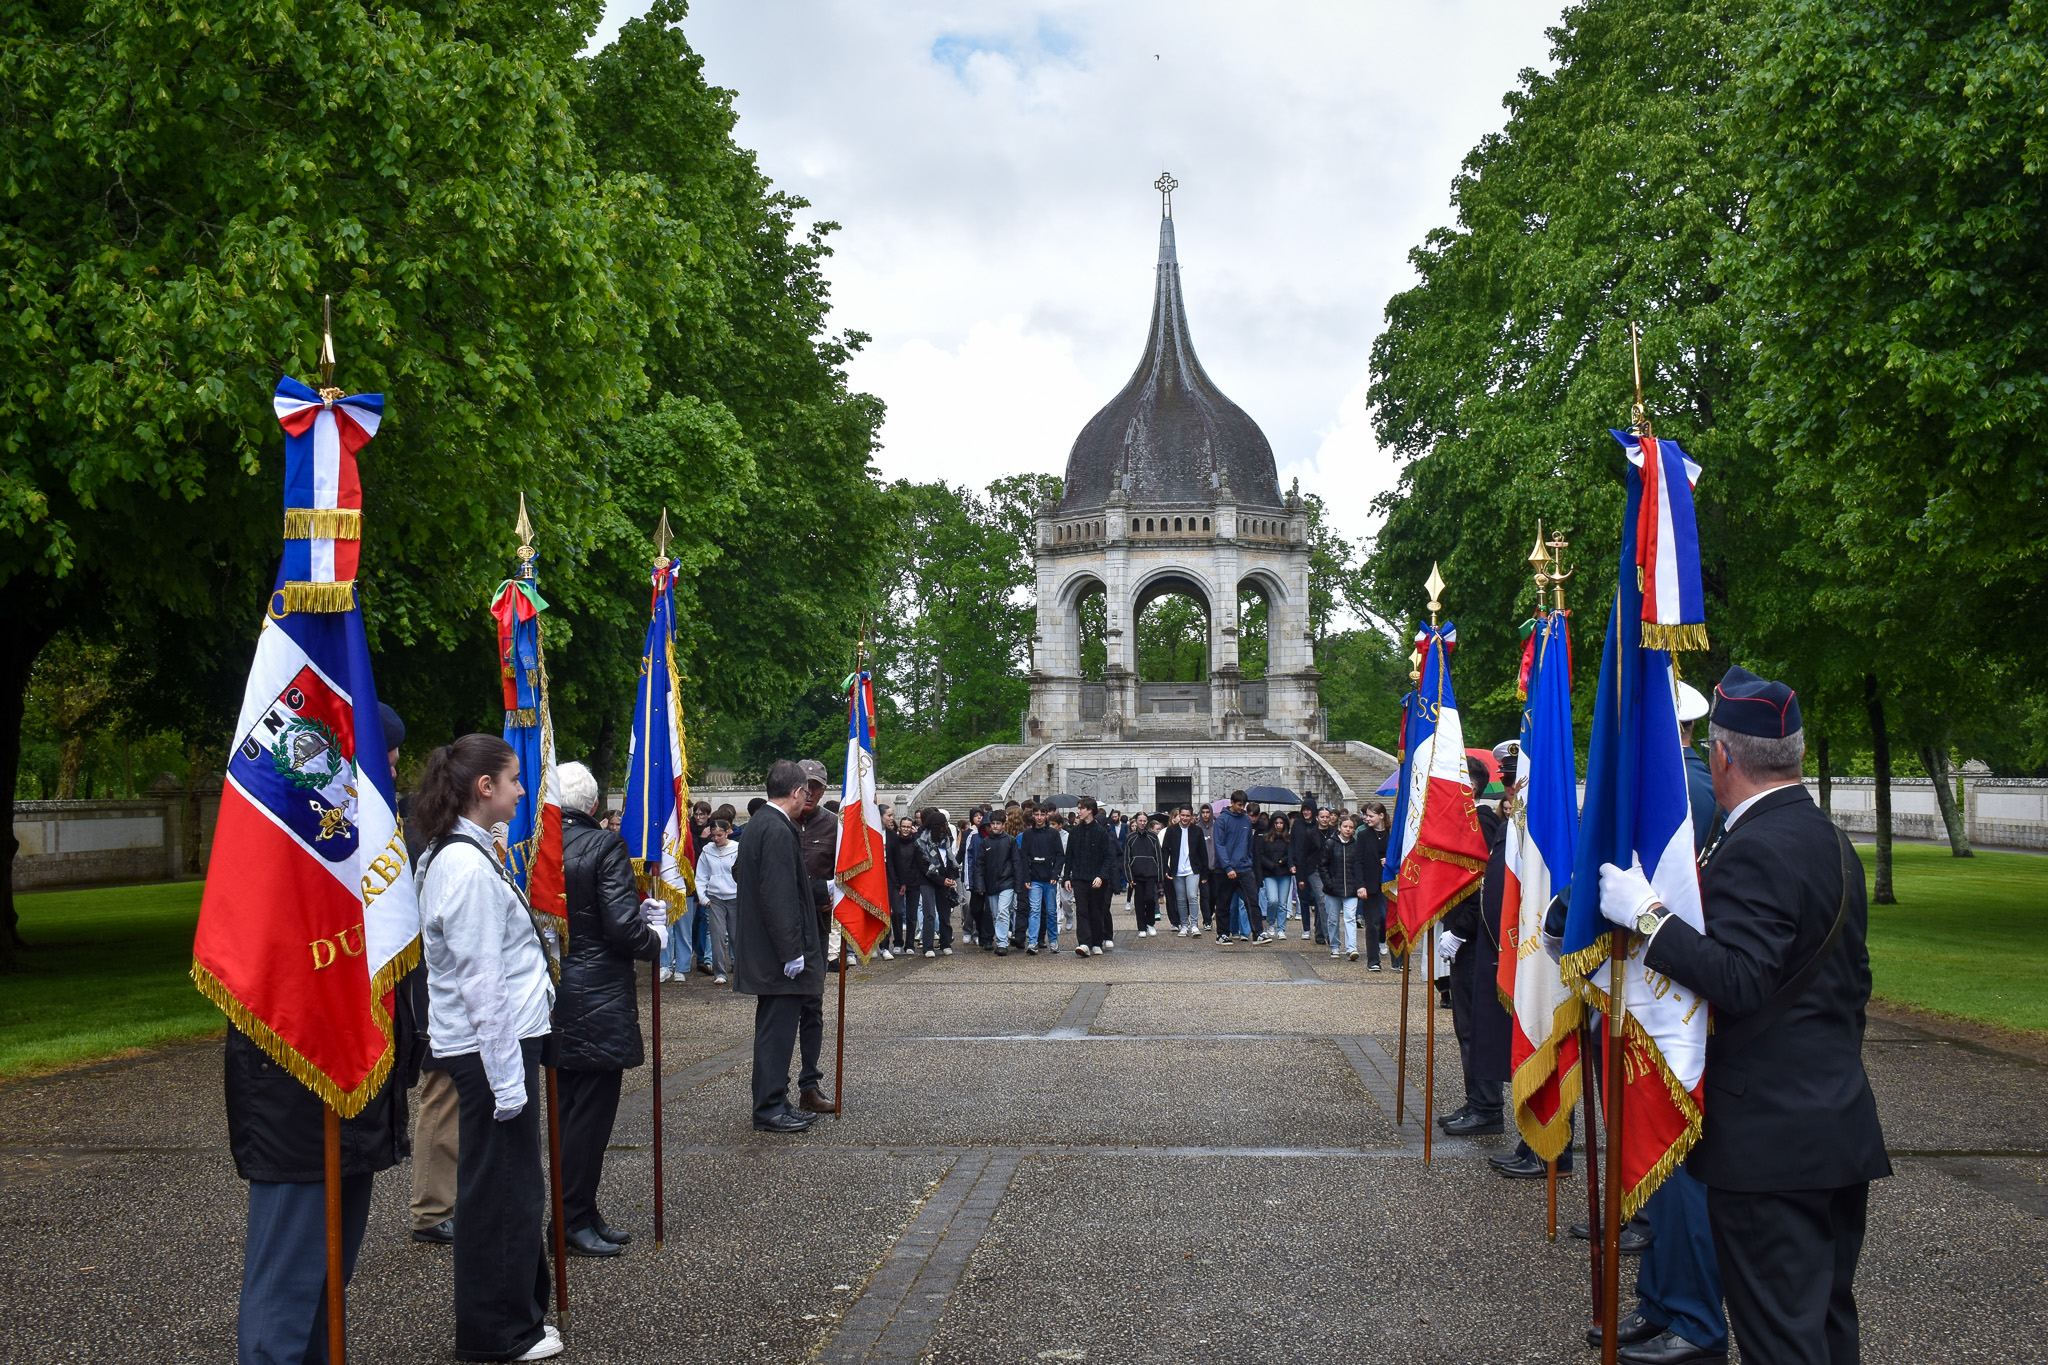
(1097, 951)
(718, 981)
(944, 952)
(1109, 943)
(929, 953)
(545, 1349)
(888, 956)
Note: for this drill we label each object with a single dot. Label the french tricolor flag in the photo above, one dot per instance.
(1674, 611)
(1435, 851)
(860, 883)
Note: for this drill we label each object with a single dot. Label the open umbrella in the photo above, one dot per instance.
(1059, 801)
(1487, 761)
(1273, 796)
(1387, 787)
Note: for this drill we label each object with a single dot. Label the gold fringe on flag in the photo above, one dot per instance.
(1550, 1140)
(323, 523)
(1675, 638)
(315, 597)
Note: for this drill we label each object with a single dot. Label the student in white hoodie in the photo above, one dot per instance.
(716, 891)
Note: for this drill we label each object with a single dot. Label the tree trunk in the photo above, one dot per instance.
(23, 633)
(1934, 758)
(1881, 765)
(1827, 779)
(195, 768)
(70, 762)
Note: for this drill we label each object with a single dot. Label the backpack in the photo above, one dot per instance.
(1143, 864)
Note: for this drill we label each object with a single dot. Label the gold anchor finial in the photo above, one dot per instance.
(328, 393)
(662, 537)
(1559, 573)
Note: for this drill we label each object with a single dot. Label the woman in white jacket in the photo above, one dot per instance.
(717, 891)
(491, 992)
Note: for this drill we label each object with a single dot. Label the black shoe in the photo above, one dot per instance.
(1635, 1327)
(1444, 1121)
(1031, 951)
(610, 1233)
(1002, 951)
(440, 1234)
(1527, 1168)
(788, 1121)
(1502, 1160)
(1666, 1348)
(1474, 1125)
(1635, 1237)
(585, 1242)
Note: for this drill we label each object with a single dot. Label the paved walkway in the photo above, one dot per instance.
(1171, 1153)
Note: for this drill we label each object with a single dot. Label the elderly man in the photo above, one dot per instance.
(818, 829)
(780, 952)
(1791, 1139)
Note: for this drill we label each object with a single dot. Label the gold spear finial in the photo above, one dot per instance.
(1436, 593)
(1539, 560)
(661, 539)
(327, 390)
(524, 530)
(1639, 416)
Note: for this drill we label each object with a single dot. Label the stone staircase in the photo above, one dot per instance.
(1360, 765)
(970, 780)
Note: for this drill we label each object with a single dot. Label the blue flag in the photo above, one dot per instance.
(655, 823)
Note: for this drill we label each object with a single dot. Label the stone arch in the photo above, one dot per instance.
(1173, 628)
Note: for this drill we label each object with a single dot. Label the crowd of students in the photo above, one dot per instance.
(1025, 875)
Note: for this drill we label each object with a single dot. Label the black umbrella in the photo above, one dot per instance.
(1272, 796)
(1059, 801)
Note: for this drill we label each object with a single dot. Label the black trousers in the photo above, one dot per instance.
(1092, 926)
(1246, 889)
(1375, 917)
(780, 1021)
(984, 914)
(1145, 900)
(501, 1261)
(1215, 899)
(590, 1104)
(1483, 1097)
(1788, 1271)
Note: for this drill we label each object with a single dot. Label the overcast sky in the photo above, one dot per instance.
(991, 167)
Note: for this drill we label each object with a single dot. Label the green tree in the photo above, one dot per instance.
(1603, 201)
(1173, 640)
(1895, 272)
(182, 185)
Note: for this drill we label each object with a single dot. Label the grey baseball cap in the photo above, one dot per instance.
(813, 771)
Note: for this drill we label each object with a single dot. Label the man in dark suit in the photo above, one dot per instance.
(1791, 1139)
(779, 950)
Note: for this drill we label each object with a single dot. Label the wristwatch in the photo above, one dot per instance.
(1647, 922)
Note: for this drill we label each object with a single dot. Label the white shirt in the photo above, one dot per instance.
(1185, 867)
(1744, 806)
(714, 871)
(487, 977)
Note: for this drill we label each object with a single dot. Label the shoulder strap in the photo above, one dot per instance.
(550, 949)
(1768, 1014)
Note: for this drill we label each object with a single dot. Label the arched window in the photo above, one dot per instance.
(1205, 523)
(1176, 523)
(1148, 523)
(1059, 533)
(1134, 525)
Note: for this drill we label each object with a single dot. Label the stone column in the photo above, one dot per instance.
(1226, 706)
(1119, 674)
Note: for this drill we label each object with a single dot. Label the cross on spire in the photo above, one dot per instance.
(1166, 185)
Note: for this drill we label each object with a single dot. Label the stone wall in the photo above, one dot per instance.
(2009, 812)
(73, 843)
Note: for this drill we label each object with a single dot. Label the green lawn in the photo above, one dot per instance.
(105, 971)
(1968, 937)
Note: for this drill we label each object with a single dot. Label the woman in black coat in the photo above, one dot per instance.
(597, 1009)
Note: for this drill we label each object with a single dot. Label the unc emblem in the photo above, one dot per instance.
(308, 754)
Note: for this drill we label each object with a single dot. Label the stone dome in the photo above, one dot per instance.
(1170, 437)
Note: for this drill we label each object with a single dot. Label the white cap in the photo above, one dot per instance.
(1691, 705)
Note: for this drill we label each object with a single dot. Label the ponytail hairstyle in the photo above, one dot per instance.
(449, 785)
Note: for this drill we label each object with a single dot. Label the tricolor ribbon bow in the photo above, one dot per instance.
(1667, 544)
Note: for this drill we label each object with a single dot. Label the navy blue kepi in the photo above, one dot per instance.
(1750, 705)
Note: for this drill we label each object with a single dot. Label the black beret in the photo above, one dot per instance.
(394, 728)
(1750, 705)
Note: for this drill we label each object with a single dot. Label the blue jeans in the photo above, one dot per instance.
(1678, 1278)
(1045, 903)
(1004, 908)
(1341, 911)
(1187, 900)
(923, 921)
(1276, 896)
(678, 954)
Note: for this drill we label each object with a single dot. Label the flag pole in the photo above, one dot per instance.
(854, 699)
(555, 1197)
(661, 539)
(1617, 1002)
(1408, 957)
(1596, 1229)
(337, 1327)
(1429, 1011)
(337, 1334)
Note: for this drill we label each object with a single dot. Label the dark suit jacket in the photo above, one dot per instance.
(1792, 1110)
(774, 920)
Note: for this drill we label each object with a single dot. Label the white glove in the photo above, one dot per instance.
(793, 968)
(502, 1114)
(1447, 946)
(1625, 894)
(654, 913)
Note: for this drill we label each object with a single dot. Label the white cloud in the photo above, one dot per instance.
(991, 163)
